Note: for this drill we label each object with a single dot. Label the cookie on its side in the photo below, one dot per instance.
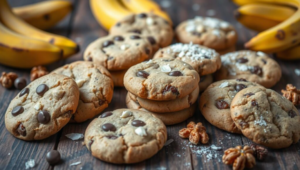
(265, 117)
(250, 65)
(95, 86)
(42, 108)
(125, 136)
(215, 102)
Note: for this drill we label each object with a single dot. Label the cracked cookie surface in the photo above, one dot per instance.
(42, 108)
(119, 52)
(95, 87)
(204, 60)
(168, 118)
(125, 136)
(250, 65)
(146, 24)
(161, 79)
(215, 102)
(266, 117)
(206, 31)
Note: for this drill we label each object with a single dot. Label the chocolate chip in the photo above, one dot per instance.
(239, 87)
(151, 40)
(109, 127)
(42, 89)
(22, 130)
(135, 37)
(264, 61)
(142, 74)
(241, 79)
(17, 110)
(147, 51)
(53, 157)
(136, 31)
(23, 92)
(207, 57)
(110, 58)
(202, 78)
(256, 70)
(292, 113)
(105, 114)
(44, 116)
(254, 103)
(172, 89)
(138, 123)
(198, 34)
(175, 73)
(118, 24)
(242, 60)
(107, 43)
(118, 38)
(221, 104)
(111, 137)
(90, 58)
(248, 94)
(20, 83)
(142, 15)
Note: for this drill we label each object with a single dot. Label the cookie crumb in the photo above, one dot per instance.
(297, 72)
(30, 164)
(168, 142)
(210, 12)
(74, 136)
(75, 163)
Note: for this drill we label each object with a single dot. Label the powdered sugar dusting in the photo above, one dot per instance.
(261, 121)
(228, 60)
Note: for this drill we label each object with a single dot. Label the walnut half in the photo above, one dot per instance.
(195, 133)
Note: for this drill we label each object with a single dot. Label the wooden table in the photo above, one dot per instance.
(83, 28)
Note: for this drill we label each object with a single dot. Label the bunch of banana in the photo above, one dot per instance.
(109, 12)
(24, 46)
(44, 15)
(279, 21)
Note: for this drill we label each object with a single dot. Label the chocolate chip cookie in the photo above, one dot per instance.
(161, 79)
(119, 51)
(205, 81)
(156, 29)
(250, 65)
(95, 87)
(125, 136)
(215, 102)
(204, 60)
(167, 106)
(42, 108)
(206, 31)
(266, 117)
(168, 118)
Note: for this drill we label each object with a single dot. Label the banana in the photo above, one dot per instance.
(23, 52)
(11, 21)
(44, 15)
(108, 12)
(265, 15)
(139, 6)
(291, 3)
(290, 54)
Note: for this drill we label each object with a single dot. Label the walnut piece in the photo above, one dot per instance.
(292, 94)
(195, 133)
(259, 152)
(37, 72)
(7, 79)
(239, 157)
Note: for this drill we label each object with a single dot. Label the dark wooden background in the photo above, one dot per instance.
(81, 26)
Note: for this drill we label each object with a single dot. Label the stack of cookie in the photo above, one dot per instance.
(209, 32)
(132, 40)
(261, 114)
(204, 60)
(167, 88)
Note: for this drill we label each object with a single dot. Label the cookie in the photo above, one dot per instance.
(204, 60)
(95, 87)
(156, 29)
(206, 31)
(42, 108)
(252, 66)
(167, 106)
(118, 77)
(161, 79)
(266, 117)
(119, 52)
(168, 118)
(125, 136)
(215, 102)
(205, 81)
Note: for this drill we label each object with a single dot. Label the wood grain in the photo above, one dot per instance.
(83, 28)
